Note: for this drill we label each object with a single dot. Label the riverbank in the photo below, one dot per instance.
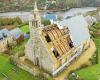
(72, 12)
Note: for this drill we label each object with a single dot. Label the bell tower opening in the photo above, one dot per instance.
(35, 19)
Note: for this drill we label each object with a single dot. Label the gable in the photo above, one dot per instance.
(16, 33)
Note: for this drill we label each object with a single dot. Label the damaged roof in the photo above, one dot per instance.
(78, 28)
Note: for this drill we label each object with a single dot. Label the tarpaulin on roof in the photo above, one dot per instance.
(78, 28)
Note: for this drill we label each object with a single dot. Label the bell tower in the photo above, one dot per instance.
(35, 25)
(35, 21)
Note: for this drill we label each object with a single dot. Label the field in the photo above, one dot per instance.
(25, 28)
(19, 48)
(12, 72)
(7, 70)
(92, 72)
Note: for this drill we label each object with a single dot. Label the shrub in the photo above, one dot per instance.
(12, 60)
(10, 21)
(46, 22)
(84, 66)
(41, 76)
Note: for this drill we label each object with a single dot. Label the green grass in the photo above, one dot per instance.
(25, 28)
(92, 72)
(7, 69)
(19, 48)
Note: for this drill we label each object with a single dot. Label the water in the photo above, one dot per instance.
(25, 15)
(75, 11)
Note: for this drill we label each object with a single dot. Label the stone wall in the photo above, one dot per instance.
(44, 58)
(4, 43)
(35, 71)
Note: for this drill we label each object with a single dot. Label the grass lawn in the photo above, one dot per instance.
(13, 72)
(7, 69)
(92, 72)
(25, 28)
(19, 48)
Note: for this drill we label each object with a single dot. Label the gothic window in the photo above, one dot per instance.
(32, 23)
(36, 24)
(39, 24)
(8, 44)
(55, 52)
(47, 38)
(37, 61)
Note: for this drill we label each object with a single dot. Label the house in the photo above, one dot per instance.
(26, 36)
(90, 20)
(50, 16)
(6, 40)
(55, 48)
(17, 34)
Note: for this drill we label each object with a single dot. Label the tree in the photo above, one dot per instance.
(60, 18)
(95, 30)
(41, 1)
(18, 20)
(1, 4)
(10, 21)
(0, 21)
(46, 22)
(51, 6)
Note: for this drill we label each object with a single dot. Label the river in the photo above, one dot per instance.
(25, 15)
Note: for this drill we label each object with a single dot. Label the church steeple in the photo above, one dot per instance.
(35, 7)
(36, 12)
(36, 21)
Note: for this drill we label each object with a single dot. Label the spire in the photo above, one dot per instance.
(36, 21)
(35, 7)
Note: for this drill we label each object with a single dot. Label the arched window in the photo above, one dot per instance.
(32, 23)
(71, 45)
(47, 38)
(55, 52)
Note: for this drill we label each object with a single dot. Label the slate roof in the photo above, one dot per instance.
(78, 28)
(16, 33)
(90, 19)
(3, 33)
(50, 16)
